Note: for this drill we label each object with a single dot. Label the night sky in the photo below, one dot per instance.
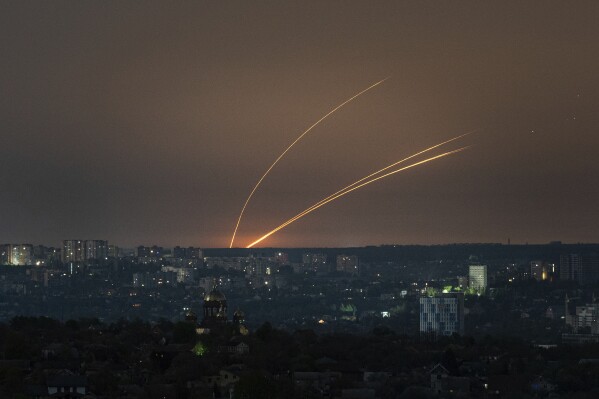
(149, 123)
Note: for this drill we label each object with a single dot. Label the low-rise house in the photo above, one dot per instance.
(67, 385)
(443, 382)
(240, 348)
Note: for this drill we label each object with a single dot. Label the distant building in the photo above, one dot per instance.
(477, 277)
(316, 262)
(79, 251)
(348, 264)
(67, 385)
(144, 279)
(579, 339)
(570, 267)
(155, 279)
(586, 317)
(259, 266)
(179, 252)
(114, 251)
(96, 249)
(46, 255)
(582, 268)
(238, 263)
(185, 275)
(311, 259)
(149, 252)
(541, 271)
(187, 253)
(442, 315)
(16, 254)
(73, 251)
(442, 382)
(281, 258)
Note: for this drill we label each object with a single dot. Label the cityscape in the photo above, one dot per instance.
(299, 200)
(421, 297)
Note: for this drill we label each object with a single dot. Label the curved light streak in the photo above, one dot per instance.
(289, 147)
(334, 197)
(392, 165)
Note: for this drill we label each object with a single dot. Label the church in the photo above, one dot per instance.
(215, 315)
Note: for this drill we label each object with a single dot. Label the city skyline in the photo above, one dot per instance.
(151, 123)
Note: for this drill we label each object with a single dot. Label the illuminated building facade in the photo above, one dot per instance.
(114, 251)
(442, 315)
(477, 277)
(73, 251)
(76, 251)
(96, 249)
(542, 271)
(586, 317)
(16, 254)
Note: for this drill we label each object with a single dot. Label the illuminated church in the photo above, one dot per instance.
(215, 315)
(215, 309)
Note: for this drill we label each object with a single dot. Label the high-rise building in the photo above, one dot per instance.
(570, 267)
(16, 254)
(114, 251)
(76, 251)
(187, 253)
(442, 315)
(4, 254)
(73, 251)
(179, 252)
(96, 249)
(477, 277)
(45, 256)
(582, 268)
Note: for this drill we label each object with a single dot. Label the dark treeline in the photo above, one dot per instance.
(138, 359)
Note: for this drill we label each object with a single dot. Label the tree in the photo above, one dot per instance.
(264, 331)
(254, 385)
(184, 333)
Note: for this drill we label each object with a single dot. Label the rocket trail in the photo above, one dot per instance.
(308, 210)
(392, 165)
(289, 147)
(334, 197)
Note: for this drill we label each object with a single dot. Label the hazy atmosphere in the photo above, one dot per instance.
(148, 122)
